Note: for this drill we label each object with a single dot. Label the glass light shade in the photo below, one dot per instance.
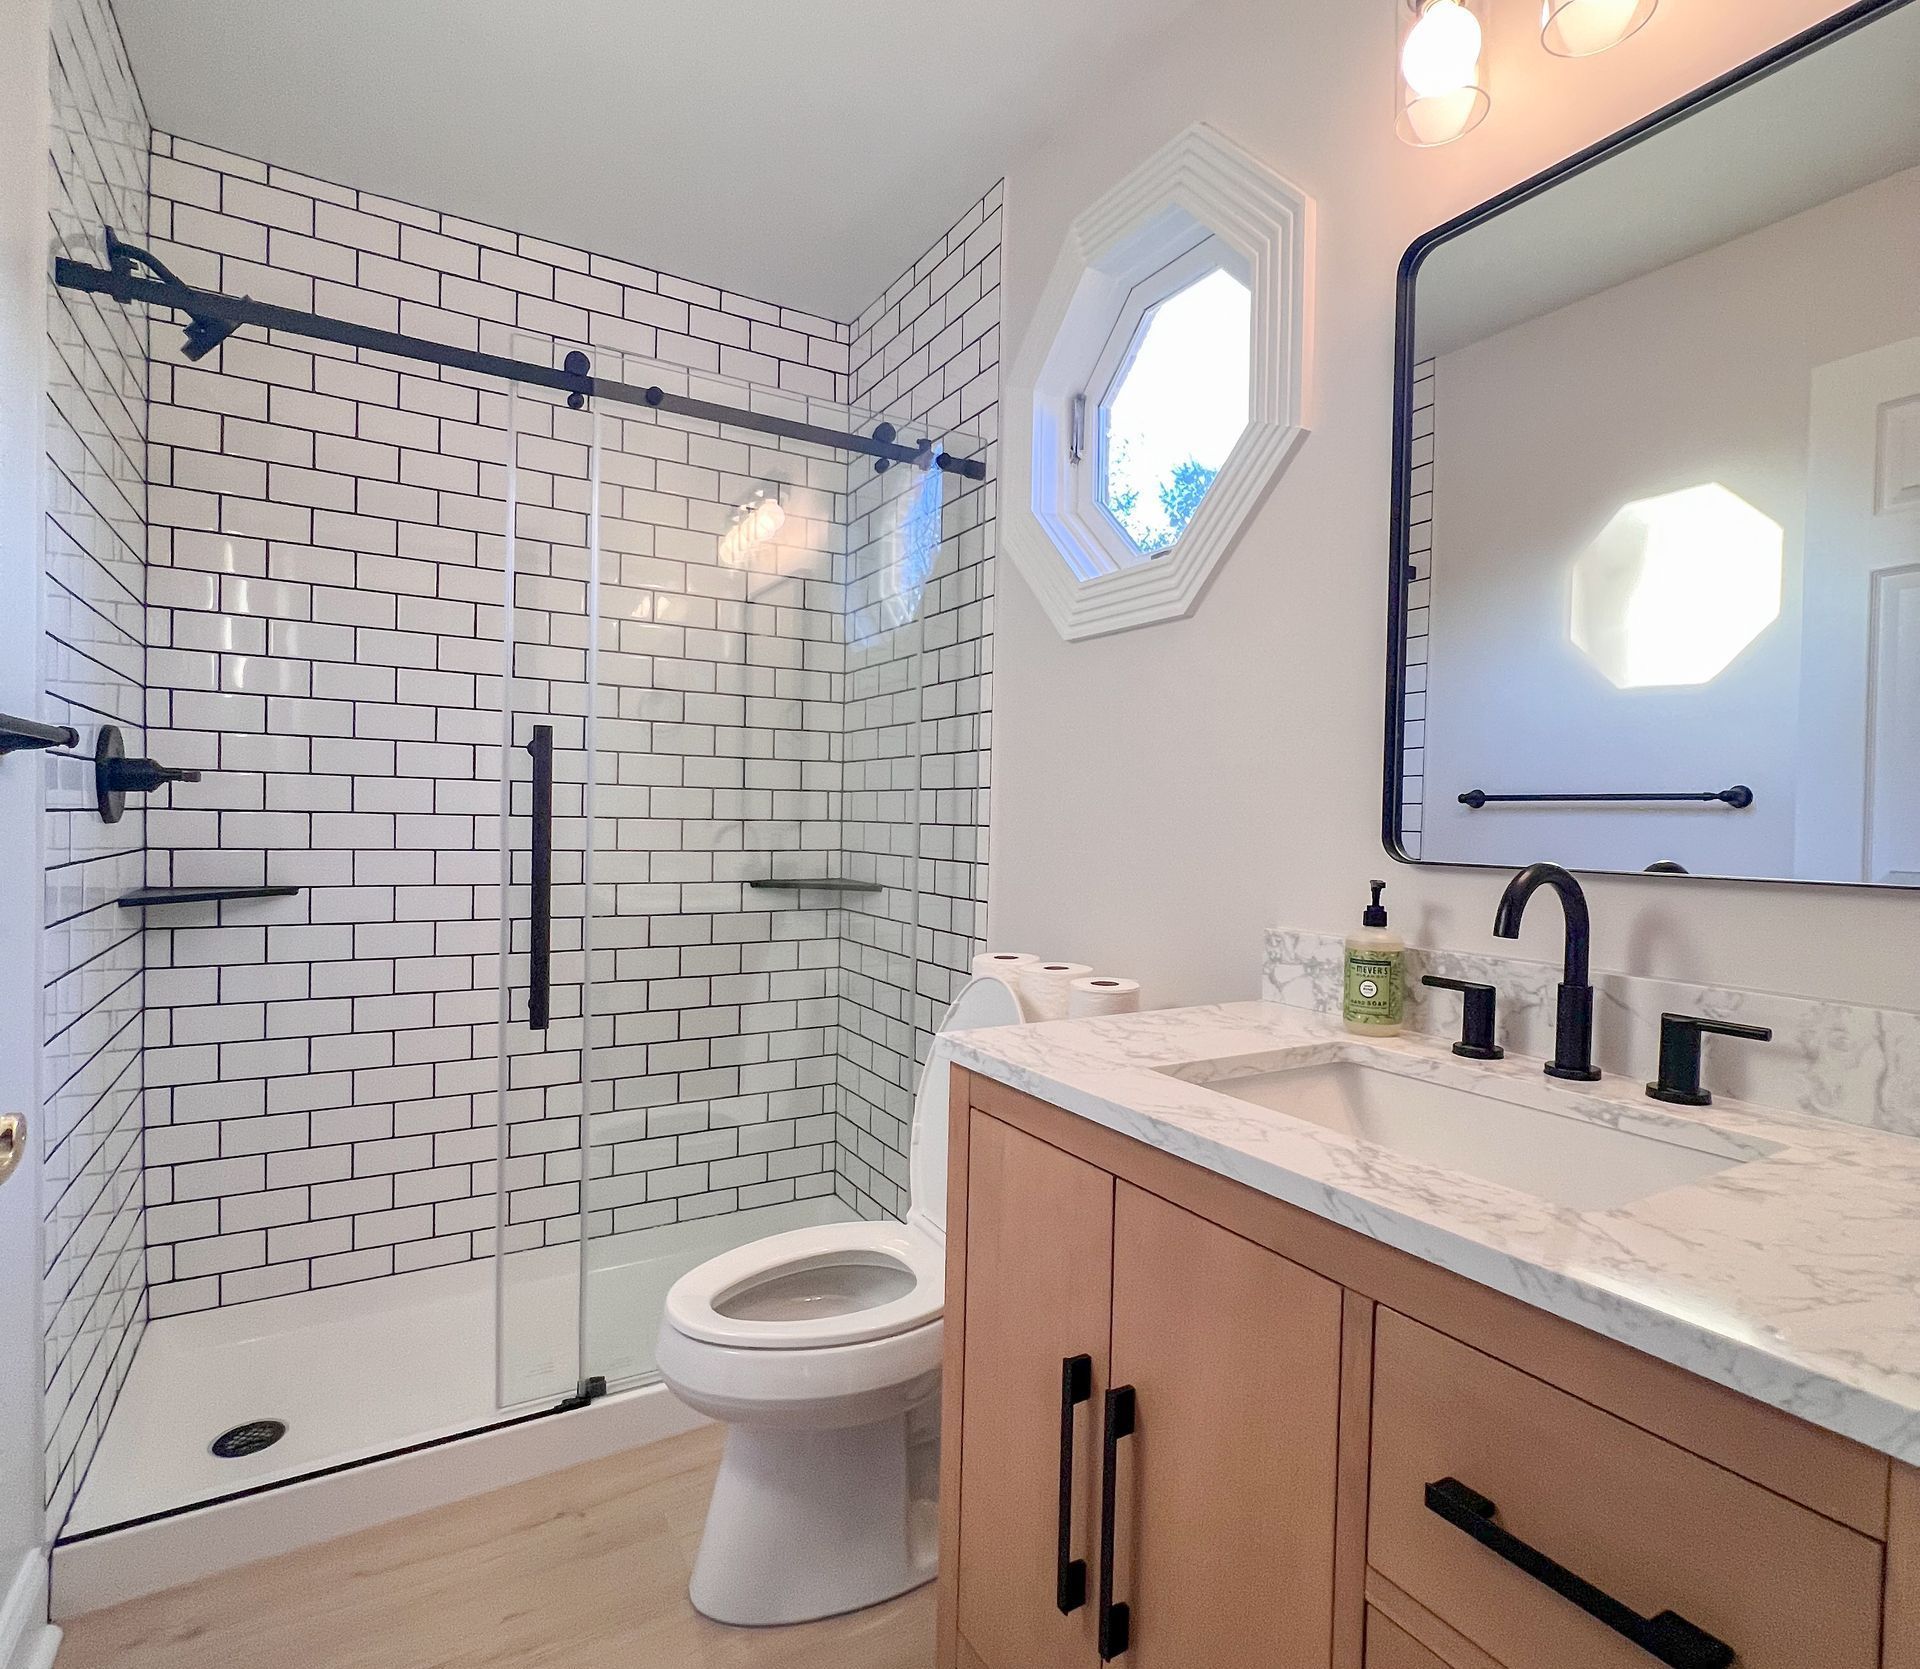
(1440, 70)
(1580, 28)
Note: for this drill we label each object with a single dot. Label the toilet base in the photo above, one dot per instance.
(807, 1523)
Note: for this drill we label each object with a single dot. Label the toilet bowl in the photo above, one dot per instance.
(820, 1349)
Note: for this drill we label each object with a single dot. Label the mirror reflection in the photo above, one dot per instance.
(1661, 601)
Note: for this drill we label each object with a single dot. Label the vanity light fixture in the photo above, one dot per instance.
(1441, 69)
(754, 523)
(1580, 28)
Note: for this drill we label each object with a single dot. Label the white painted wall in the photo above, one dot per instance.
(1699, 372)
(24, 139)
(1162, 795)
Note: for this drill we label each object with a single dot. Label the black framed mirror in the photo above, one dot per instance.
(1655, 587)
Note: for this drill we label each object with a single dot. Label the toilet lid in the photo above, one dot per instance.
(985, 1000)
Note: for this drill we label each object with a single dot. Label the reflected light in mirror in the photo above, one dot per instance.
(754, 524)
(1675, 587)
(1580, 28)
(1443, 91)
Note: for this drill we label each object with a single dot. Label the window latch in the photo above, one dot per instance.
(1077, 430)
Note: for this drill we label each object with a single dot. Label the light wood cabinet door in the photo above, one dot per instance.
(1039, 1249)
(1225, 1520)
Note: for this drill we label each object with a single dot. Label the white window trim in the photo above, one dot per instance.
(1210, 254)
(1201, 186)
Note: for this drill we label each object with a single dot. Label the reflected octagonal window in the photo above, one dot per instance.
(1675, 587)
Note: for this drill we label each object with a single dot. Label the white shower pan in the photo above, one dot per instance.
(387, 1390)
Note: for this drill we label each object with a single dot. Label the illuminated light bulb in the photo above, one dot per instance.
(1443, 88)
(1580, 28)
(1442, 51)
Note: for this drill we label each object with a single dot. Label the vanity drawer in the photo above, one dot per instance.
(1647, 1524)
(1390, 1647)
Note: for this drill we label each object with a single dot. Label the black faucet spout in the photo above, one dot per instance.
(1573, 1037)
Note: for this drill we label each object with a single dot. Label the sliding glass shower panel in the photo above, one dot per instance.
(720, 689)
(893, 551)
(545, 1039)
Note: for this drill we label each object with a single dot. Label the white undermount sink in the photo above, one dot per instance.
(1565, 1158)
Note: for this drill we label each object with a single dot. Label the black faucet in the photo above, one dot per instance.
(1573, 1037)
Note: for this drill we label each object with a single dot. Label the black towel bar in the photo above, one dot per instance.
(1739, 796)
(17, 735)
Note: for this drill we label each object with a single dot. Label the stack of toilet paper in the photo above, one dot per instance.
(1060, 990)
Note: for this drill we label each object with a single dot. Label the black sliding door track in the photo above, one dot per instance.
(216, 316)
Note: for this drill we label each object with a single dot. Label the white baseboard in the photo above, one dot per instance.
(27, 1639)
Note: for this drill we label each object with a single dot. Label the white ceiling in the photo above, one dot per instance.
(799, 151)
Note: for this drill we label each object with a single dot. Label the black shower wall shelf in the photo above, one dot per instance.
(148, 897)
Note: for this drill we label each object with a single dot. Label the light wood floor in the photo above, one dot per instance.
(585, 1569)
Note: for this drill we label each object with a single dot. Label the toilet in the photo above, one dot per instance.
(820, 1349)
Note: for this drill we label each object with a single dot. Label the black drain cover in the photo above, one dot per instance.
(249, 1439)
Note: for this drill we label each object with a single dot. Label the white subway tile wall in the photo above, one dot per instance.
(927, 347)
(1413, 763)
(93, 658)
(325, 581)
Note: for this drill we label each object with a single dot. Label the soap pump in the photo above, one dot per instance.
(1373, 1001)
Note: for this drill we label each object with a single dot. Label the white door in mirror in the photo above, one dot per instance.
(1860, 715)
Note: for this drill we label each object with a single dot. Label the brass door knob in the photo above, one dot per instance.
(13, 1143)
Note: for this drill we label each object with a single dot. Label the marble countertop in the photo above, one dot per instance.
(1792, 1277)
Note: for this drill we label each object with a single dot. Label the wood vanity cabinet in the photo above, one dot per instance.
(1090, 1360)
(1308, 1451)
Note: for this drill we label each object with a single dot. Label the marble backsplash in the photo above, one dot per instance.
(1835, 1060)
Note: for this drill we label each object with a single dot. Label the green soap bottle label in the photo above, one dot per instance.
(1374, 987)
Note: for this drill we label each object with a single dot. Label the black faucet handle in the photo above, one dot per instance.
(1477, 1012)
(1681, 1040)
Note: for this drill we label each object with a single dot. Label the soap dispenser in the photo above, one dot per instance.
(1374, 1000)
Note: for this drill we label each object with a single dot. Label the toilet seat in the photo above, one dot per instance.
(876, 1280)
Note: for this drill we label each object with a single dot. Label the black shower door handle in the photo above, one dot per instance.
(1069, 1573)
(1116, 1618)
(1668, 1637)
(540, 945)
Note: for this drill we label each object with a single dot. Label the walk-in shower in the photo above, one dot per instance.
(557, 905)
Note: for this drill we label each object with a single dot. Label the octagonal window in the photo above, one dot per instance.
(1176, 404)
(1675, 587)
(1159, 387)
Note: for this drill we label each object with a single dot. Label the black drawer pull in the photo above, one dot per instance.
(1668, 1637)
(1116, 1620)
(1069, 1573)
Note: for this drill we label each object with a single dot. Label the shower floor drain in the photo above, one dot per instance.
(249, 1439)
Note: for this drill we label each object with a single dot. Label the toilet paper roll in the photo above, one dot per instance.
(1045, 987)
(1007, 962)
(1098, 995)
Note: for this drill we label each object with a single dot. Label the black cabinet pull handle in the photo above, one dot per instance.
(1069, 1573)
(1116, 1619)
(540, 944)
(1669, 1637)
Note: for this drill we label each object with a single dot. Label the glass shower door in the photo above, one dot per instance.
(545, 1040)
(716, 732)
(720, 687)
